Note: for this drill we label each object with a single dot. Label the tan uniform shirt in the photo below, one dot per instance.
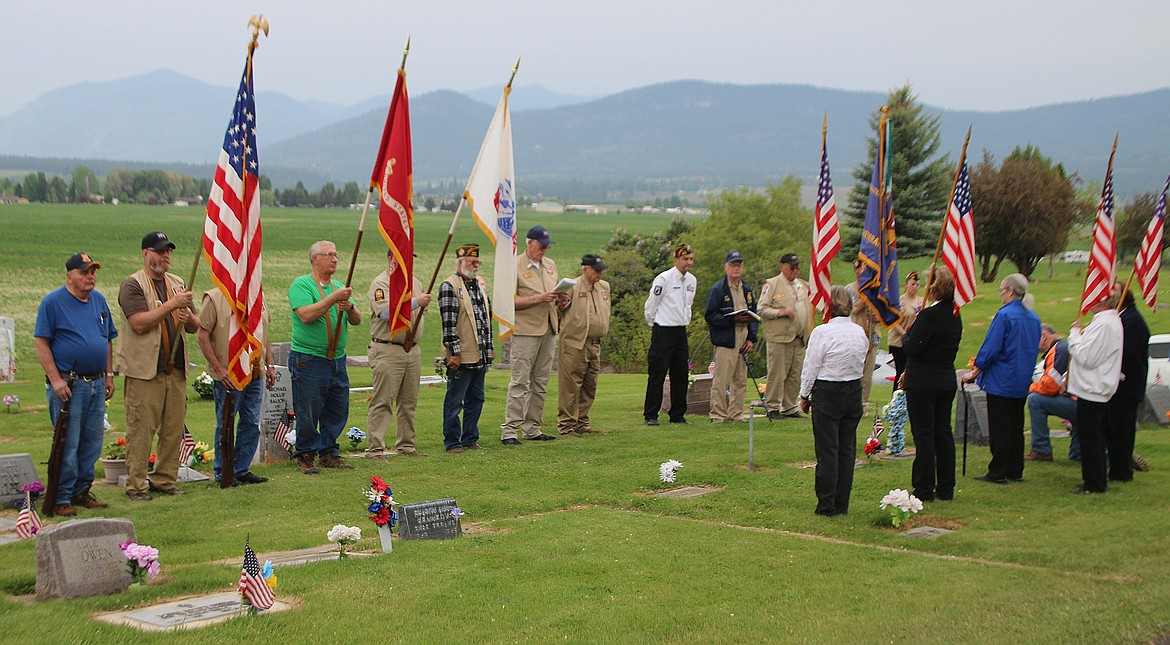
(588, 315)
(780, 293)
(215, 316)
(380, 300)
(541, 318)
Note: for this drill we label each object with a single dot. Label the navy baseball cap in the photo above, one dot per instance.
(733, 256)
(81, 261)
(157, 241)
(539, 234)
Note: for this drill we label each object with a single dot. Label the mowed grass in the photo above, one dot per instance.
(564, 541)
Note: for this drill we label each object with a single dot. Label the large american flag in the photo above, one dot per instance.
(1149, 259)
(1101, 273)
(231, 234)
(392, 178)
(252, 585)
(27, 522)
(959, 242)
(826, 239)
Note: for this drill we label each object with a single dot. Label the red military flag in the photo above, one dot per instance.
(1149, 259)
(392, 178)
(1102, 270)
(959, 240)
(826, 237)
(231, 234)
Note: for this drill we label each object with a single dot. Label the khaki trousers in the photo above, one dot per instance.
(730, 376)
(577, 371)
(154, 407)
(867, 376)
(396, 375)
(532, 358)
(785, 362)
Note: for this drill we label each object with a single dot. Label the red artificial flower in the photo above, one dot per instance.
(378, 484)
(121, 441)
(385, 499)
(382, 517)
(872, 446)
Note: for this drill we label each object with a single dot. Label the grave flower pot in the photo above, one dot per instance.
(114, 468)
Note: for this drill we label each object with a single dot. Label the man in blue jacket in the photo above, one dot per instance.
(1004, 370)
(733, 335)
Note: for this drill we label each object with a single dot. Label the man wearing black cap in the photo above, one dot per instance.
(733, 335)
(533, 340)
(75, 333)
(784, 306)
(668, 312)
(466, 314)
(156, 310)
(584, 322)
(396, 369)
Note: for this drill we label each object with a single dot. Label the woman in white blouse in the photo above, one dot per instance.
(830, 386)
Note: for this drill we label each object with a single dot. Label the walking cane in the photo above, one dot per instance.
(749, 371)
(966, 412)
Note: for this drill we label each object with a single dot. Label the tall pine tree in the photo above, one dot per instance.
(921, 184)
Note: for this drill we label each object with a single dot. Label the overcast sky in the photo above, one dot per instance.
(985, 54)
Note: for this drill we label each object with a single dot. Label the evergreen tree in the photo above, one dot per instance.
(921, 184)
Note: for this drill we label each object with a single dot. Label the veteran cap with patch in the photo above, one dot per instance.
(81, 261)
(789, 258)
(593, 262)
(467, 251)
(157, 241)
(682, 249)
(733, 256)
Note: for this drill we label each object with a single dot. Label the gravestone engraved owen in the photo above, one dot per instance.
(15, 471)
(81, 558)
(429, 521)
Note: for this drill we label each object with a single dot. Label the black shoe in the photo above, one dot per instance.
(165, 490)
(651, 422)
(792, 415)
(542, 437)
(1081, 490)
(774, 415)
(682, 420)
(511, 441)
(991, 480)
(251, 478)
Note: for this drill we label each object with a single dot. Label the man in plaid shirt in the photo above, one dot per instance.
(466, 315)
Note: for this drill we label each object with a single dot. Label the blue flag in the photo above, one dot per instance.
(879, 249)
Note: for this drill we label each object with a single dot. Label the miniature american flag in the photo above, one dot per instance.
(252, 584)
(282, 429)
(187, 446)
(27, 522)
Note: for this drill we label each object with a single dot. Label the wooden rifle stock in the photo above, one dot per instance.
(57, 453)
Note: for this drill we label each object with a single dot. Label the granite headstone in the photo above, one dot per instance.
(429, 521)
(277, 402)
(15, 471)
(1155, 406)
(976, 416)
(81, 558)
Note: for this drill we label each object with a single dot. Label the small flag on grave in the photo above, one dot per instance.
(253, 587)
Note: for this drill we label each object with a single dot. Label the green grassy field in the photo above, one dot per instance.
(563, 540)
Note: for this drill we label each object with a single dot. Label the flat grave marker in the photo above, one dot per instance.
(429, 521)
(926, 532)
(686, 492)
(189, 613)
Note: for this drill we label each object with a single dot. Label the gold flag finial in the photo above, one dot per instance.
(405, 52)
(514, 68)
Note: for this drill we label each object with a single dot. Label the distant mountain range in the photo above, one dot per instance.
(682, 134)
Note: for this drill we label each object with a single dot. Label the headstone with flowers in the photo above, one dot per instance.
(83, 558)
(275, 422)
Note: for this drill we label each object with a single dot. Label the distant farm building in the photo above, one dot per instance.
(548, 207)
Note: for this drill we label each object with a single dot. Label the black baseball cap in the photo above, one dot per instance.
(593, 262)
(157, 241)
(733, 256)
(789, 258)
(539, 234)
(81, 261)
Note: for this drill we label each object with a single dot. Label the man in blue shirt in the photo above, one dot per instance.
(1004, 369)
(74, 333)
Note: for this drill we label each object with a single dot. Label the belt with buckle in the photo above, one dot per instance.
(85, 377)
(386, 342)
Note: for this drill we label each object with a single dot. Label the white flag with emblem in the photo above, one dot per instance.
(491, 191)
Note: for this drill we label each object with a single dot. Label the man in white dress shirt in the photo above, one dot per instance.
(668, 311)
(1093, 375)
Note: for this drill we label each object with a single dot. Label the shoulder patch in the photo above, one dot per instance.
(379, 295)
(658, 290)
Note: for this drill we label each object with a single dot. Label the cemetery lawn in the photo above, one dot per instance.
(564, 540)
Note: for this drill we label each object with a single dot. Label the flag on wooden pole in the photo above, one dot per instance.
(231, 234)
(393, 179)
(878, 281)
(826, 238)
(959, 240)
(1148, 262)
(1102, 269)
(491, 191)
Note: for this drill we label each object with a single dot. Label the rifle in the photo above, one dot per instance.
(57, 452)
(227, 439)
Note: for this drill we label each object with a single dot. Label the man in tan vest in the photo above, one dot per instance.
(215, 318)
(584, 322)
(533, 341)
(396, 369)
(466, 314)
(784, 306)
(156, 309)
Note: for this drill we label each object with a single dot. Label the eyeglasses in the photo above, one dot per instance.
(162, 252)
(328, 255)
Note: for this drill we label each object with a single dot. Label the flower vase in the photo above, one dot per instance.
(113, 468)
(384, 533)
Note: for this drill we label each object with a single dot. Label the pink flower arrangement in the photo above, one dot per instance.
(142, 560)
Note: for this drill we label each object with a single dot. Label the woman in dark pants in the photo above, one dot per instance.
(930, 383)
(830, 385)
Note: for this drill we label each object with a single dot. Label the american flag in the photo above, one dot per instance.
(1101, 273)
(231, 234)
(252, 585)
(27, 522)
(392, 178)
(187, 446)
(826, 239)
(959, 244)
(1149, 259)
(282, 429)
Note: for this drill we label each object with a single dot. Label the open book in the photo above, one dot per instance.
(743, 311)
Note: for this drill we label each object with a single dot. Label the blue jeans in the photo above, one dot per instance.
(82, 444)
(464, 392)
(247, 415)
(1040, 407)
(320, 391)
